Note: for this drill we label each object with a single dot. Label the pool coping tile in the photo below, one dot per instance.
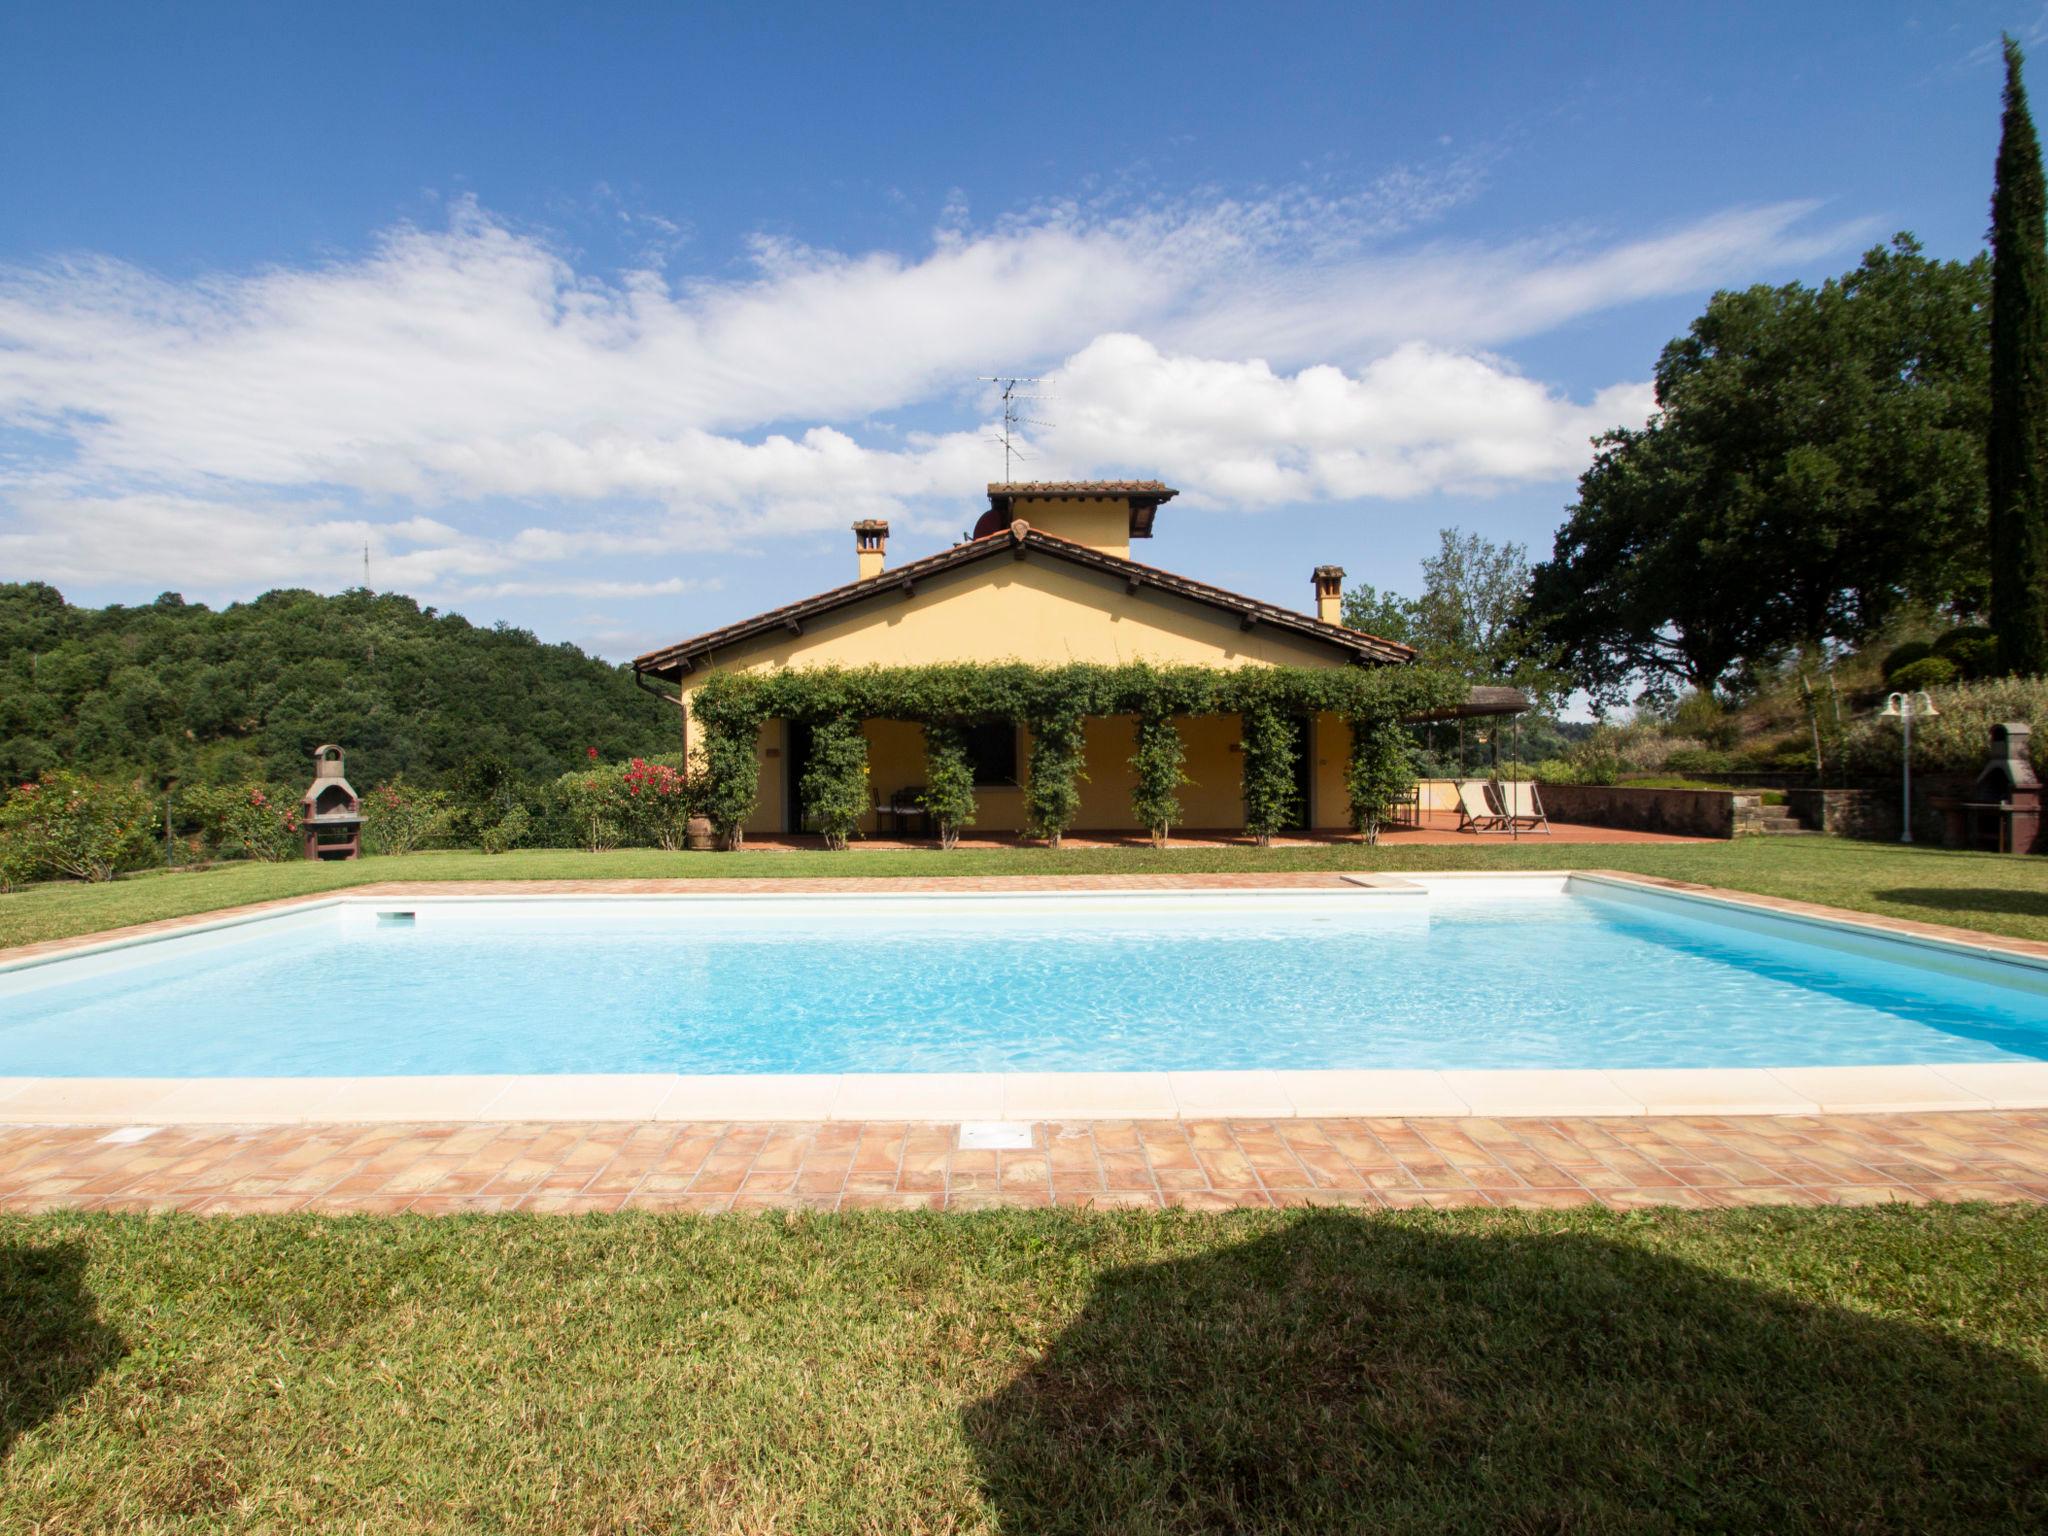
(1541, 1091)
(582, 1096)
(795, 1096)
(917, 1096)
(1711, 1091)
(1343, 1091)
(1088, 1096)
(1849, 1090)
(2001, 1084)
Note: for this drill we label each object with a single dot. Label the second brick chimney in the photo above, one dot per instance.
(1329, 581)
(871, 544)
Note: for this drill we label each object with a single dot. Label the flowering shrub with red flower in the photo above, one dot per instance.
(644, 802)
(661, 799)
(68, 826)
(243, 821)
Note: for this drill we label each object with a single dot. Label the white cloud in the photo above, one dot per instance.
(673, 586)
(253, 428)
(1419, 419)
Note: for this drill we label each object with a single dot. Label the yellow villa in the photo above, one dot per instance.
(1046, 577)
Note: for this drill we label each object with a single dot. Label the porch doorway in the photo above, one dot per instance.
(796, 758)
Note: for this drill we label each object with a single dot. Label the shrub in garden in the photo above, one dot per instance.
(1971, 648)
(1927, 672)
(659, 800)
(595, 799)
(73, 827)
(508, 833)
(482, 792)
(1900, 656)
(834, 787)
(402, 818)
(948, 796)
(244, 821)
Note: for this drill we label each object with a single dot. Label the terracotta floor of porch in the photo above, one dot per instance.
(1439, 828)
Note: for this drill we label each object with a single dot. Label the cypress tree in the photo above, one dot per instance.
(2015, 463)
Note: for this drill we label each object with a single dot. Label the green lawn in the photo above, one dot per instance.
(1871, 1370)
(1998, 895)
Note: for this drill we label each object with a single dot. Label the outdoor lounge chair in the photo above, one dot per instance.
(1520, 808)
(1475, 811)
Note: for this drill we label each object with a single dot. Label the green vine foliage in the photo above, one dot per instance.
(1270, 800)
(1158, 766)
(835, 782)
(949, 780)
(1380, 770)
(1053, 701)
(1052, 787)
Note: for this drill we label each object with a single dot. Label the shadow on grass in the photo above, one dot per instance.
(1962, 898)
(1348, 1374)
(52, 1342)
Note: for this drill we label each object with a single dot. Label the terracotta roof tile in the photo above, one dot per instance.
(1082, 488)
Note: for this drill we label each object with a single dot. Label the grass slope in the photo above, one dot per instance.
(1869, 1370)
(1983, 891)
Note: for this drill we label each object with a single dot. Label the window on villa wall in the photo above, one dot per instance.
(992, 748)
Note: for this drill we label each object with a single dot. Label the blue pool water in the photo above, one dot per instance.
(1492, 977)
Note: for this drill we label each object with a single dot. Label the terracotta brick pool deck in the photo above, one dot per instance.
(1700, 1163)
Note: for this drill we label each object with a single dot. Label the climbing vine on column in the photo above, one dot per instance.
(834, 786)
(1157, 766)
(1270, 799)
(1380, 771)
(1052, 791)
(948, 781)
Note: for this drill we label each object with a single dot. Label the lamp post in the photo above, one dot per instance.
(1905, 708)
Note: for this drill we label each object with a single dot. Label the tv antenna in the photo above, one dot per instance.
(1012, 420)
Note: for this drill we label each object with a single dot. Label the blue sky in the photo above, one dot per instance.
(609, 320)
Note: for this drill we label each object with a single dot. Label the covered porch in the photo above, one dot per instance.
(1212, 797)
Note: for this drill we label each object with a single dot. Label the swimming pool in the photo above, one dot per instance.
(1435, 974)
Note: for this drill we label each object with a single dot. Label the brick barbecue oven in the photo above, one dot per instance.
(2003, 813)
(331, 812)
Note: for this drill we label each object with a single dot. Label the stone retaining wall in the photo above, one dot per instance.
(1679, 812)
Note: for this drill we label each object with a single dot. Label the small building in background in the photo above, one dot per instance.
(331, 813)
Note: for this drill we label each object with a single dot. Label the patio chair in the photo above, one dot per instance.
(1519, 806)
(907, 805)
(1475, 811)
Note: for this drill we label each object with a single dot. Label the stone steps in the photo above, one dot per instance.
(1784, 826)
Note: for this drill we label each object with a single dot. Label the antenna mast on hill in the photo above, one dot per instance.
(1012, 421)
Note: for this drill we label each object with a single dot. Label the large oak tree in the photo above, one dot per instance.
(1816, 461)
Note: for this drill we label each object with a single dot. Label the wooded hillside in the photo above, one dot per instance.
(187, 694)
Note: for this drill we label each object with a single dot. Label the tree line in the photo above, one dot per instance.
(185, 695)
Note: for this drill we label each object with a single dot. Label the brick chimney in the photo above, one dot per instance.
(870, 542)
(1329, 581)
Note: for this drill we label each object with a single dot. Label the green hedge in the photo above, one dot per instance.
(1053, 702)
